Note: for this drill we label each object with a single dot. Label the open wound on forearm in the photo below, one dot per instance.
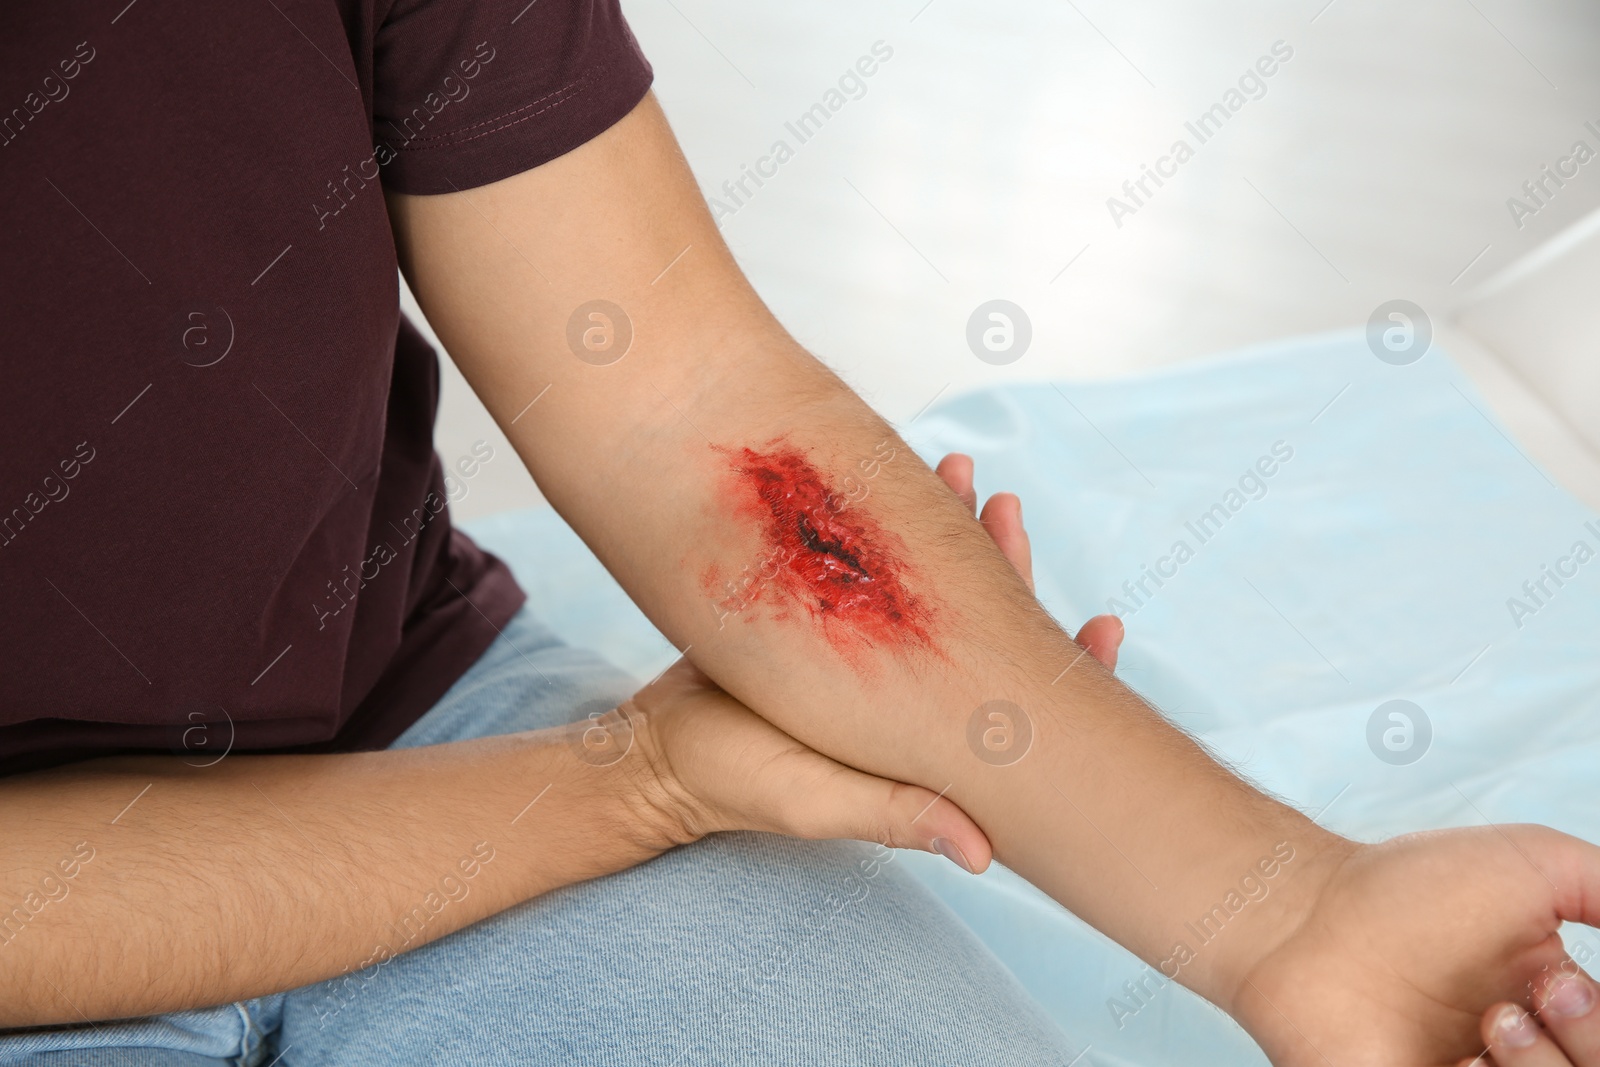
(822, 554)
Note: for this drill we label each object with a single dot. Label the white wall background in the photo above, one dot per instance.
(977, 164)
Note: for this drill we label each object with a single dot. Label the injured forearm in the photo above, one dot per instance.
(814, 566)
(780, 533)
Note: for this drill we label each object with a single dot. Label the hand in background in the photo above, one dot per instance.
(1565, 1033)
(1002, 517)
(1412, 951)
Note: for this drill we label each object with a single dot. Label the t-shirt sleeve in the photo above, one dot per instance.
(466, 92)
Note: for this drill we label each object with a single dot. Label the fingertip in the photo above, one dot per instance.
(1509, 1027)
(1003, 507)
(970, 852)
(978, 851)
(956, 469)
(1111, 627)
(1002, 518)
(1102, 636)
(951, 851)
(949, 832)
(1114, 639)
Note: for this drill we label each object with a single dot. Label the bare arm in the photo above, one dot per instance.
(140, 885)
(147, 884)
(770, 523)
(263, 873)
(661, 462)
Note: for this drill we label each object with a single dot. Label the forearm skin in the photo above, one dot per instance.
(825, 576)
(1113, 811)
(140, 885)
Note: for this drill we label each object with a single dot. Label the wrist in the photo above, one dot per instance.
(1318, 855)
(661, 810)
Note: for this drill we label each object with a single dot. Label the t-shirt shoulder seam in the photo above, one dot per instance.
(455, 137)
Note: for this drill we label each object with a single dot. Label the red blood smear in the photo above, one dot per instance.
(825, 553)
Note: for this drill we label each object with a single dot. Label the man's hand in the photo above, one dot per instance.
(715, 765)
(1418, 950)
(1565, 1034)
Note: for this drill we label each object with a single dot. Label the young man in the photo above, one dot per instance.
(229, 519)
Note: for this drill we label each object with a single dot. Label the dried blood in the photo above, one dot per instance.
(822, 552)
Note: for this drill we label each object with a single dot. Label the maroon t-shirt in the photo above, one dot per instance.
(222, 521)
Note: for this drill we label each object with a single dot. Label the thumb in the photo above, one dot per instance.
(862, 806)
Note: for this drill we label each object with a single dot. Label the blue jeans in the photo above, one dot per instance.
(739, 949)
